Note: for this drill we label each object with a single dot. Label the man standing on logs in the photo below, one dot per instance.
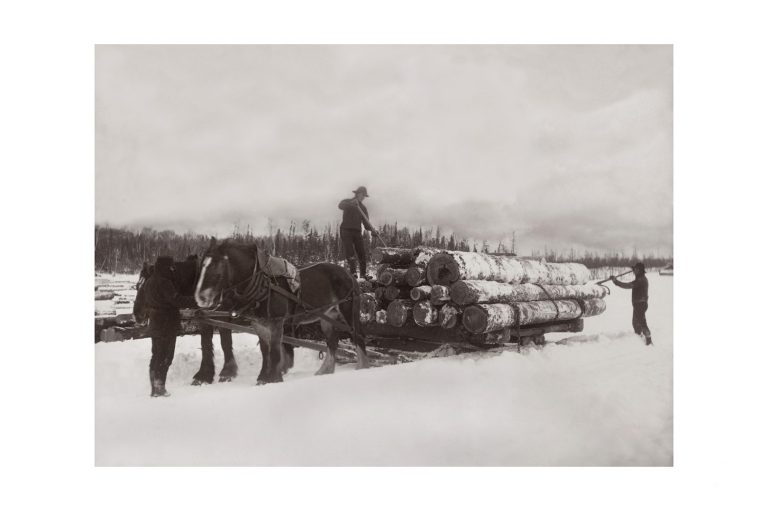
(639, 289)
(164, 302)
(355, 213)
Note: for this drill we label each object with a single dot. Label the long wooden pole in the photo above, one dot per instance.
(368, 221)
(606, 280)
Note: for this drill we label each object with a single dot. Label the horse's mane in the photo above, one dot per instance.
(237, 244)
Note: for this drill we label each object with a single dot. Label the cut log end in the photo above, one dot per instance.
(425, 314)
(448, 316)
(442, 269)
(415, 276)
(398, 312)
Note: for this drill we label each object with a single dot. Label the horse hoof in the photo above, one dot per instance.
(261, 382)
(197, 382)
(225, 379)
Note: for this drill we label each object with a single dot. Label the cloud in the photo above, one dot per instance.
(565, 145)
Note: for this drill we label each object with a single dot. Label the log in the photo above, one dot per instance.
(396, 292)
(416, 275)
(368, 307)
(393, 276)
(378, 292)
(474, 291)
(402, 258)
(105, 295)
(448, 316)
(420, 292)
(365, 285)
(392, 256)
(447, 267)
(439, 294)
(425, 313)
(398, 312)
(480, 318)
(381, 316)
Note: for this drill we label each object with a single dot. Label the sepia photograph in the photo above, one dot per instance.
(383, 255)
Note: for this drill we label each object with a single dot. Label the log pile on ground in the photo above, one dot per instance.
(478, 297)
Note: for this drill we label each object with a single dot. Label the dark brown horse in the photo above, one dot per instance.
(184, 278)
(232, 271)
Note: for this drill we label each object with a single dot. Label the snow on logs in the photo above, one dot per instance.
(425, 314)
(481, 318)
(402, 258)
(447, 267)
(473, 291)
(448, 316)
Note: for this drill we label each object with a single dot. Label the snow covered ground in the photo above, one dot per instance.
(604, 401)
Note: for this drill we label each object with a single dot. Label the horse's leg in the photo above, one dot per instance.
(332, 340)
(276, 350)
(287, 357)
(229, 370)
(264, 347)
(207, 368)
(351, 312)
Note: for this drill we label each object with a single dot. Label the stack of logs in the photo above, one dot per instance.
(478, 296)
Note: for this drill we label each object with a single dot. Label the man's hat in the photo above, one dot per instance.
(639, 266)
(361, 189)
(163, 262)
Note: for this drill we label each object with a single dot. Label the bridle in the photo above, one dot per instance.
(256, 289)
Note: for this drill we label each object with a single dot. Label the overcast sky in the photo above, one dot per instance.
(569, 146)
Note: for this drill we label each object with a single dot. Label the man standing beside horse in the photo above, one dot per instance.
(355, 213)
(164, 303)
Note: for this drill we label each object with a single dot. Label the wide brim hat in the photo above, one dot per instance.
(361, 189)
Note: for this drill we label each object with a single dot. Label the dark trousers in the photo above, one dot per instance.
(352, 242)
(638, 319)
(163, 348)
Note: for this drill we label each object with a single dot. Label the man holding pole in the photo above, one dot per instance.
(639, 289)
(355, 213)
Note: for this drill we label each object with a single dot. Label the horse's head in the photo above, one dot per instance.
(225, 265)
(213, 277)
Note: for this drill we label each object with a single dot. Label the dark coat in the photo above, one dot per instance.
(163, 302)
(639, 288)
(352, 217)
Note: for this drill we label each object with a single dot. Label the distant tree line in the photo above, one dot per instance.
(125, 250)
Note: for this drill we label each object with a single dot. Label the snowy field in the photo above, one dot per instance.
(603, 400)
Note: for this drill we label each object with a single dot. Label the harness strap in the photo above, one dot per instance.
(316, 311)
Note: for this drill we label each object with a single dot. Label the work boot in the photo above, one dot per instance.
(153, 381)
(158, 388)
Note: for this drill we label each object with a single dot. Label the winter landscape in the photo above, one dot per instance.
(602, 398)
(463, 198)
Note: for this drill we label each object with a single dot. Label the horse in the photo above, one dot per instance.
(236, 272)
(184, 278)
